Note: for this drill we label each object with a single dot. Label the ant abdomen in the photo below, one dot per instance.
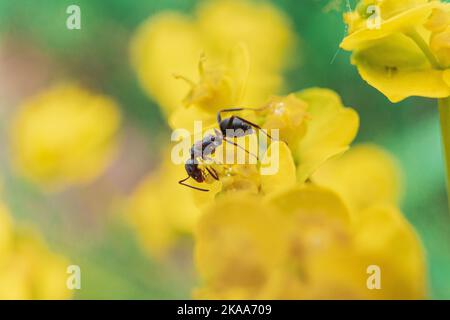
(234, 127)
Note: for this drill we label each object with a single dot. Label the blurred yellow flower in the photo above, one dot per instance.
(406, 54)
(364, 175)
(28, 270)
(264, 29)
(161, 211)
(303, 243)
(5, 231)
(65, 135)
(171, 43)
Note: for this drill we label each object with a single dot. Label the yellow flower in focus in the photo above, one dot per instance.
(285, 174)
(396, 16)
(330, 130)
(288, 114)
(439, 25)
(303, 243)
(66, 135)
(28, 270)
(219, 86)
(314, 127)
(170, 43)
(401, 56)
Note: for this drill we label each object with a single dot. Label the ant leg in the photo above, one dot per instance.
(219, 114)
(240, 147)
(182, 182)
(256, 126)
(212, 160)
(214, 175)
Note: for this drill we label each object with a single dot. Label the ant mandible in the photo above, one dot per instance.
(232, 127)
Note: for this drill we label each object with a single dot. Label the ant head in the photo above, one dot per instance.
(193, 170)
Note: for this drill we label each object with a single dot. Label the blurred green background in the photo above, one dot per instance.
(36, 48)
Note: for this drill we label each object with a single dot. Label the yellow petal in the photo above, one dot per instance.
(440, 45)
(57, 138)
(320, 226)
(396, 67)
(5, 233)
(289, 115)
(156, 57)
(185, 118)
(277, 168)
(336, 273)
(263, 28)
(363, 176)
(45, 271)
(310, 201)
(385, 237)
(439, 19)
(400, 22)
(446, 77)
(238, 242)
(331, 128)
(158, 219)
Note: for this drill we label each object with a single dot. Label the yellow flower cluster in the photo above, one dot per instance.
(312, 229)
(64, 136)
(28, 270)
(313, 239)
(408, 52)
(317, 127)
(304, 243)
(170, 44)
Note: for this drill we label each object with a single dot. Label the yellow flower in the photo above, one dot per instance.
(313, 122)
(5, 232)
(330, 130)
(161, 211)
(65, 135)
(170, 43)
(439, 25)
(264, 29)
(166, 44)
(303, 243)
(285, 175)
(288, 114)
(219, 86)
(402, 56)
(396, 16)
(28, 270)
(363, 176)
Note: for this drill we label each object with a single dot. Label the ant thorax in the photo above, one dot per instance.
(207, 146)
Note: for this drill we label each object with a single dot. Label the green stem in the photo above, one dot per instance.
(417, 38)
(444, 106)
(444, 113)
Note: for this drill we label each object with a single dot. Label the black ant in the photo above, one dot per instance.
(232, 127)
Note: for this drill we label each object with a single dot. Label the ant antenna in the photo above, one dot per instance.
(240, 147)
(187, 185)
